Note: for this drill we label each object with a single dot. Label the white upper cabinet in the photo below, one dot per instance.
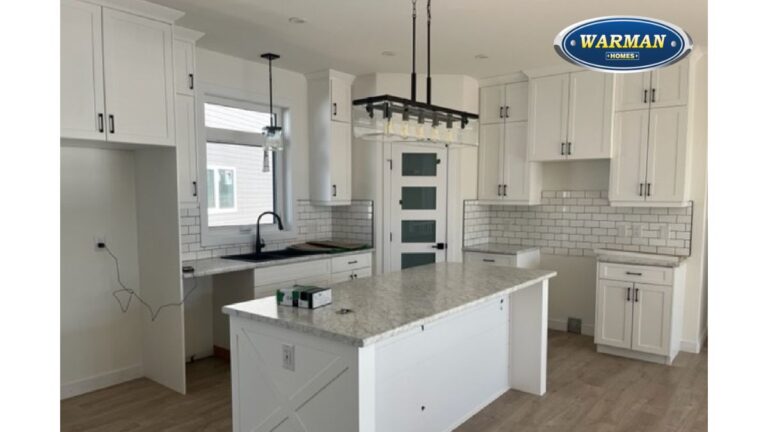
(656, 135)
(632, 91)
(341, 100)
(330, 170)
(570, 116)
(504, 174)
(184, 66)
(138, 79)
(118, 70)
(82, 74)
(548, 118)
(590, 115)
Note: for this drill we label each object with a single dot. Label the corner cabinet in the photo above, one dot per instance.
(652, 143)
(187, 116)
(118, 71)
(330, 150)
(569, 116)
(639, 311)
(504, 174)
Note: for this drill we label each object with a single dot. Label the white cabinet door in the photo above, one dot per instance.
(628, 165)
(516, 102)
(341, 161)
(669, 85)
(492, 104)
(341, 100)
(186, 148)
(667, 147)
(589, 115)
(184, 66)
(516, 166)
(490, 161)
(547, 117)
(138, 79)
(652, 316)
(613, 321)
(633, 91)
(82, 73)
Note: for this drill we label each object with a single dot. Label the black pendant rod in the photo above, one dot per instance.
(429, 49)
(413, 55)
(270, 57)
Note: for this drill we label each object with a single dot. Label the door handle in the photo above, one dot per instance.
(439, 246)
(334, 190)
(191, 81)
(636, 296)
(506, 112)
(653, 95)
(498, 190)
(335, 111)
(647, 189)
(352, 262)
(111, 124)
(629, 289)
(100, 120)
(645, 96)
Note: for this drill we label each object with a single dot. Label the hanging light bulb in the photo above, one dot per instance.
(265, 166)
(273, 134)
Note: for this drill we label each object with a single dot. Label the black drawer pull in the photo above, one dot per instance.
(634, 273)
(352, 262)
(628, 291)
(488, 260)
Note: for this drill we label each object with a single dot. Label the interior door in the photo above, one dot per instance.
(492, 104)
(516, 166)
(613, 323)
(138, 79)
(82, 73)
(548, 117)
(590, 115)
(651, 321)
(628, 166)
(490, 161)
(666, 155)
(633, 91)
(418, 208)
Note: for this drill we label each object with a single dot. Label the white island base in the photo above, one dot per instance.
(430, 377)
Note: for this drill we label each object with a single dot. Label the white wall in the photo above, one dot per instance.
(99, 344)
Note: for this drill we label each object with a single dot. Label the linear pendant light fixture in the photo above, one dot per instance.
(273, 133)
(392, 118)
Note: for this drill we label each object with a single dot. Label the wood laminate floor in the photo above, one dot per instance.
(587, 391)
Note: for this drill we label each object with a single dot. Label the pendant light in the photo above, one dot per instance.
(273, 133)
(392, 118)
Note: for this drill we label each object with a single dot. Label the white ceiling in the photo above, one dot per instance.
(350, 35)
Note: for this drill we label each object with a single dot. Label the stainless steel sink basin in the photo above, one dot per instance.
(272, 255)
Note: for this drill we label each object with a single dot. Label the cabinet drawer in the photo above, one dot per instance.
(350, 275)
(350, 262)
(635, 273)
(493, 259)
(291, 272)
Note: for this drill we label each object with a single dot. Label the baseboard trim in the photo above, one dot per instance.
(694, 346)
(97, 382)
(637, 355)
(562, 325)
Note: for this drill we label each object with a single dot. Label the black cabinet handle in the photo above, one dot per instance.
(505, 190)
(352, 262)
(506, 113)
(488, 260)
(636, 296)
(570, 146)
(653, 95)
(645, 96)
(628, 291)
(641, 188)
(498, 190)
(334, 190)
(335, 110)
(194, 188)
(111, 124)
(634, 273)
(501, 112)
(100, 119)
(191, 81)
(647, 189)
(562, 149)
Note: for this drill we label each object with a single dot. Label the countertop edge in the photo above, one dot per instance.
(481, 249)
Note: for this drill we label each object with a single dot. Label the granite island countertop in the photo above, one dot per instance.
(214, 266)
(499, 248)
(389, 304)
(637, 258)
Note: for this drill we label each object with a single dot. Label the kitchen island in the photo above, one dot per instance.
(422, 349)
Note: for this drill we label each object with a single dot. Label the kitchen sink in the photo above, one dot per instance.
(273, 255)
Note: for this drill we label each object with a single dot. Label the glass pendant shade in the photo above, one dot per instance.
(273, 138)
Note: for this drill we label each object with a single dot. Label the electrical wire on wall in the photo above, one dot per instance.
(153, 313)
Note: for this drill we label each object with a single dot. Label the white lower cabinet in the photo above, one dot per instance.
(635, 318)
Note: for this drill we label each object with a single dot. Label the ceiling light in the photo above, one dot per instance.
(392, 118)
(296, 20)
(388, 53)
(481, 57)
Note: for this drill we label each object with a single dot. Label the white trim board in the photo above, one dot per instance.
(96, 382)
(694, 346)
(562, 325)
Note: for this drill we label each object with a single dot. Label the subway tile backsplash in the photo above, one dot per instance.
(352, 223)
(576, 222)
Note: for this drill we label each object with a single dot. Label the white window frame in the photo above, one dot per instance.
(217, 208)
(226, 235)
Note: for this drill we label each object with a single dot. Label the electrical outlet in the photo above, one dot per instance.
(99, 239)
(289, 357)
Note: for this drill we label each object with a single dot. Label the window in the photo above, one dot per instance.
(237, 188)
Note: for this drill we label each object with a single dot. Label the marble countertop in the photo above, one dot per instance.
(213, 266)
(499, 248)
(391, 303)
(637, 258)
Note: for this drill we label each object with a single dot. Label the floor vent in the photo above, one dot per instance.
(574, 325)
